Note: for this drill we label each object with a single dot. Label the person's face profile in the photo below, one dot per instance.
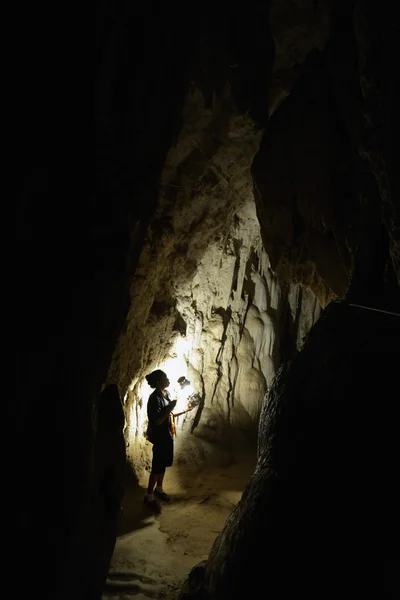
(165, 381)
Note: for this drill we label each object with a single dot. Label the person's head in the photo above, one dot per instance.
(158, 380)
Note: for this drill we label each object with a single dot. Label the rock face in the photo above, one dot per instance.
(377, 41)
(109, 482)
(297, 27)
(79, 237)
(324, 174)
(210, 306)
(306, 518)
(318, 440)
(306, 180)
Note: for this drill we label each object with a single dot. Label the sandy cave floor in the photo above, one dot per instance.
(154, 554)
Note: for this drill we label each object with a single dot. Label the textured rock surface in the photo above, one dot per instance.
(109, 483)
(79, 236)
(319, 208)
(297, 27)
(307, 199)
(377, 43)
(310, 515)
(204, 298)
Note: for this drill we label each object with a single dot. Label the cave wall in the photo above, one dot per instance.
(377, 40)
(227, 328)
(297, 28)
(307, 190)
(324, 182)
(204, 300)
(87, 187)
(88, 183)
(311, 514)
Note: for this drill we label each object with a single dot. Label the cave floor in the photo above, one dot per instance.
(154, 554)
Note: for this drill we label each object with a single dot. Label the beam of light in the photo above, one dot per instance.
(176, 366)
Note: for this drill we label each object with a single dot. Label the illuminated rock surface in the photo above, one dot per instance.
(205, 301)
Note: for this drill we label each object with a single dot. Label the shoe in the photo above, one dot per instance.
(162, 496)
(153, 504)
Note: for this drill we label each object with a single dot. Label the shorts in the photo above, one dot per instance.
(163, 456)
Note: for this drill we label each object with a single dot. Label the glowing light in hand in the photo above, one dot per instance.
(175, 367)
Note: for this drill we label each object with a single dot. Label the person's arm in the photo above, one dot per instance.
(184, 411)
(164, 413)
(158, 412)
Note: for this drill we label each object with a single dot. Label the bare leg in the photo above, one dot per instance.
(160, 479)
(153, 479)
(159, 489)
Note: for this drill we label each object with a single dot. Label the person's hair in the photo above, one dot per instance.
(154, 377)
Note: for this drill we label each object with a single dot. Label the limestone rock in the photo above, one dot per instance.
(297, 27)
(205, 302)
(193, 587)
(305, 520)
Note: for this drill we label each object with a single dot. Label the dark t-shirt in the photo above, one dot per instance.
(157, 402)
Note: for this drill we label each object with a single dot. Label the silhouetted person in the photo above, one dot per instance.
(160, 433)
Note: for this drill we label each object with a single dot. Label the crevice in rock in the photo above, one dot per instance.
(237, 244)
(226, 317)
